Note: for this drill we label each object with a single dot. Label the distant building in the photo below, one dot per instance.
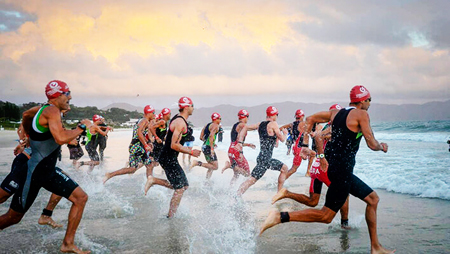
(130, 123)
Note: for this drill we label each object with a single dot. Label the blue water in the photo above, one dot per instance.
(417, 162)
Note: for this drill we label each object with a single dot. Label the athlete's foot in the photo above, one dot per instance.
(148, 184)
(106, 177)
(71, 248)
(280, 195)
(46, 220)
(273, 219)
(307, 174)
(381, 250)
(227, 165)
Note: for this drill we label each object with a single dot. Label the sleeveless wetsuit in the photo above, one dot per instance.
(91, 145)
(264, 161)
(206, 148)
(168, 158)
(41, 171)
(157, 147)
(340, 153)
(236, 157)
(138, 155)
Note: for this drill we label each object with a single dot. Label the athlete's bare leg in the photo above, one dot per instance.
(175, 201)
(78, 199)
(325, 215)
(226, 166)
(47, 220)
(151, 180)
(283, 176)
(11, 217)
(311, 201)
(211, 166)
(310, 162)
(4, 195)
(371, 218)
(245, 185)
(123, 171)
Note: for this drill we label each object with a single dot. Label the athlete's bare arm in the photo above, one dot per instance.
(140, 132)
(179, 127)
(214, 128)
(361, 117)
(276, 130)
(51, 118)
(288, 125)
(154, 125)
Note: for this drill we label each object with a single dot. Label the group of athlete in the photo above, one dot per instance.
(158, 140)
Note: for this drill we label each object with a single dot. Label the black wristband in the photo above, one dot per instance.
(303, 145)
(47, 212)
(81, 126)
(284, 217)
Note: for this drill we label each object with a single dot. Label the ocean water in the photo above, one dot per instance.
(412, 180)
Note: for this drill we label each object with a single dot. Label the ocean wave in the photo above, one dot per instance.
(413, 126)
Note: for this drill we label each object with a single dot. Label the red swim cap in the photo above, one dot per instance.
(271, 111)
(335, 106)
(149, 109)
(159, 116)
(185, 102)
(55, 88)
(165, 111)
(299, 113)
(243, 114)
(359, 93)
(96, 118)
(215, 116)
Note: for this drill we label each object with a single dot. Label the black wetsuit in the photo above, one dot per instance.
(168, 158)
(340, 153)
(101, 141)
(41, 170)
(157, 147)
(264, 161)
(206, 147)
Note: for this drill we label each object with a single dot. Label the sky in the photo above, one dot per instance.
(243, 53)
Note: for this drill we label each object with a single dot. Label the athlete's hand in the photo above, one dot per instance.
(148, 147)
(252, 146)
(19, 148)
(196, 153)
(385, 147)
(305, 153)
(323, 164)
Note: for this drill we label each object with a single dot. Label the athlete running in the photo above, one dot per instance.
(160, 129)
(349, 125)
(177, 134)
(46, 137)
(139, 148)
(237, 159)
(269, 132)
(91, 143)
(317, 177)
(208, 136)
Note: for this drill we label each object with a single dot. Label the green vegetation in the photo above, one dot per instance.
(10, 114)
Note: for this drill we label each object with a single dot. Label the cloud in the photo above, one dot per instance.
(110, 51)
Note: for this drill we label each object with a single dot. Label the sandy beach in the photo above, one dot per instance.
(119, 219)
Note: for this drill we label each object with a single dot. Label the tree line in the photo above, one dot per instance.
(114, 116)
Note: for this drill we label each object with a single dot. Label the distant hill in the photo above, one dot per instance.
(125, 106)
(378, 112)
